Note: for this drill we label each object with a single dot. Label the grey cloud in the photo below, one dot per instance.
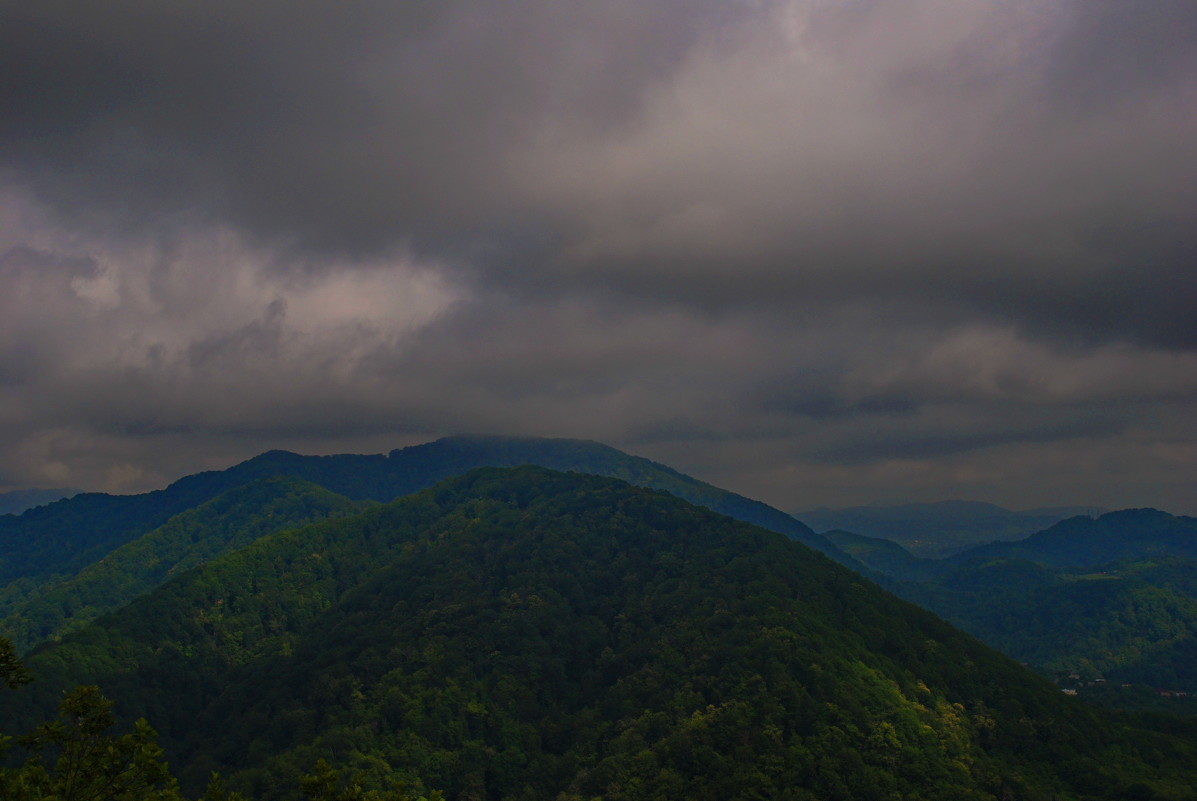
(1108, 47)
(663, 384)
(824, 402)
(39, 298)
(891, 183)
(803, 154)
(342, 127)
(946, 432)
(811, 240)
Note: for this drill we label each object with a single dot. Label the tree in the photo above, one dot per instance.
(75, 758)
(12, 672)
(326, 784)
(89, 764)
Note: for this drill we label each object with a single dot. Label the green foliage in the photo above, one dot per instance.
(63, 564)
(85, 762)
(188, 539)
(12, 672)
(216, 791)
(526, 634)
(1128, 622)
(326, 784)
(1111, 598)
(90, 764)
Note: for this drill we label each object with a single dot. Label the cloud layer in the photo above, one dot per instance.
(819, 252)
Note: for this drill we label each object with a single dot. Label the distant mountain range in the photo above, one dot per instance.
(17, 501)
(523, 633)
(1111, 598)
(1082, 542)
(940, 529)
(527, 619)
(49, 554)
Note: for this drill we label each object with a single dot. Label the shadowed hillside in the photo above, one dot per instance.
(528, 634)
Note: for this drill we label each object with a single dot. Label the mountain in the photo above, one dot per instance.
(529, 634)
(1135, 623)
(17, 501)
(225, 523)
(64, 535)
(1084, 542)
(884, 557)
(47, 547)
(1111, 599)
(938, 529)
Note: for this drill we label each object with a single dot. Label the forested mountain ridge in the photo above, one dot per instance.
(229, 521)
(407, 470)
(1087, 542)
(1111, 599)
(1076, 543)
(1133, 623)
(527, 634)
(49, 545)
(937, 530)
(885, 557)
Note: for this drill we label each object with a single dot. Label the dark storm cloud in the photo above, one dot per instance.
(341, 126)
(830, 243)
(910, 160)
(936, 435)
(1019, 159)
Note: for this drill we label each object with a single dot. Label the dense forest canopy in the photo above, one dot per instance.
(526, 634)
(63, 564)
(1107, 606)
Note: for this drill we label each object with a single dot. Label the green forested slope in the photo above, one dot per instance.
(190, 538)
(411, 469)
(1130, 622)
(50, 545)
(1112, 598)
(884, 557)
(525, 634)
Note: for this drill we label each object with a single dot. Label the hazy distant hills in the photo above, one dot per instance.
(885, 556)
(939, 529)
(1085, 542)
(1077, 542)
(17, 501)
(50, 554)
(531, 634)
(1113, 597)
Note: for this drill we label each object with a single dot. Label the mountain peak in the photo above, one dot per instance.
(527, 633)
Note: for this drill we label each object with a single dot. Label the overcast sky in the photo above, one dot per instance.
(818, 252)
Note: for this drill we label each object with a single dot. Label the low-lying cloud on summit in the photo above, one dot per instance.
(817, 252)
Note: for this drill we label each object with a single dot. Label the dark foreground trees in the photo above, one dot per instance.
(76, 757)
